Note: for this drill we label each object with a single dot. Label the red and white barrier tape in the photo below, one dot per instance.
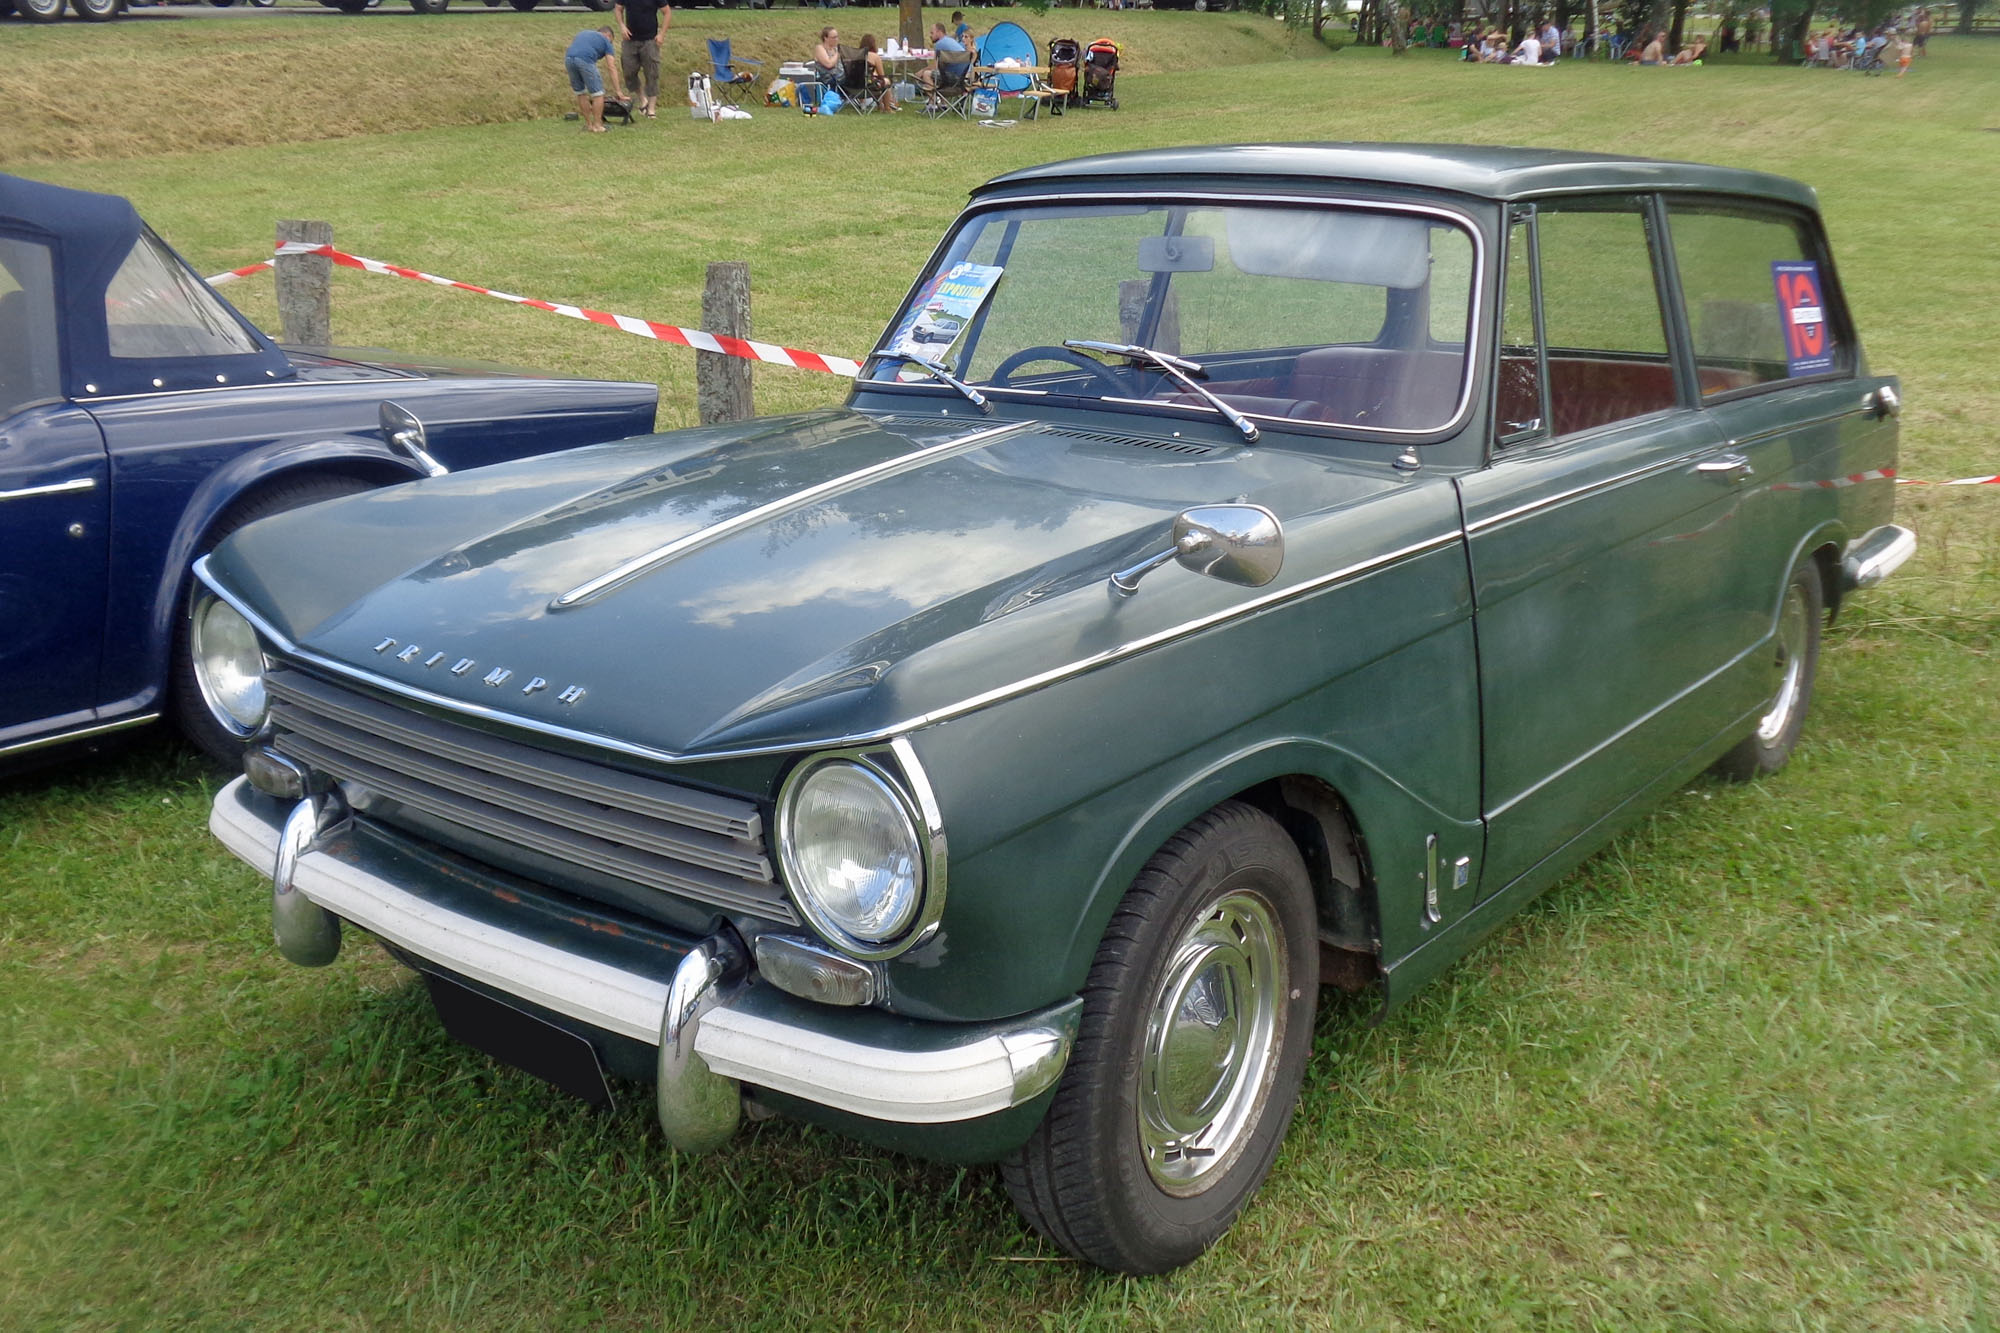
(698, 339)
(1993, 480)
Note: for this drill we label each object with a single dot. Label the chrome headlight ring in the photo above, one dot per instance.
(229, 665)
(907, 797)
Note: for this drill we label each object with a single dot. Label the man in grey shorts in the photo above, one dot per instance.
(644, 23)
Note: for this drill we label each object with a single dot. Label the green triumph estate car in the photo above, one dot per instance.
(1237, 570)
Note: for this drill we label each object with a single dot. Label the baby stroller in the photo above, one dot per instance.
(1100, 74)
(1868, 55)
(1064, 57)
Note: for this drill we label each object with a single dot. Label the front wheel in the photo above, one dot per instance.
(220, 721)
(39, 11)
(97, 11)
(430, 6)
(1794, 659)
(1196, 1026)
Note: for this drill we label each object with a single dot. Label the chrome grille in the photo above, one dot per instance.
(694, 844)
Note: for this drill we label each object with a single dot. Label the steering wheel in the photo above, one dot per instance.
(1100, 372)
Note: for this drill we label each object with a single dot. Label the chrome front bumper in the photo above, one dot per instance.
(713, 1033)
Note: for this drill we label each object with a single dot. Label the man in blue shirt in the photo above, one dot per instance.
(949, 60)
(581, 60)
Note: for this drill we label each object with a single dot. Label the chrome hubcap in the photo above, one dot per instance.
(1211, 1042)
(1791, 663)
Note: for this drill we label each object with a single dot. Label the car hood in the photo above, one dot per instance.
(789, 581)
(371, 363)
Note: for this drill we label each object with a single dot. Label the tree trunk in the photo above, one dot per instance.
(910, 23)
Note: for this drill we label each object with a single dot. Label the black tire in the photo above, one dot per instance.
(351, 6)
(198, 722)
(1220, 921)
(39, 11)
(430, 6)
(96, 11)
(523, 5)
(1794, 662)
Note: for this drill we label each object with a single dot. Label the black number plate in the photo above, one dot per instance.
(518, 1038)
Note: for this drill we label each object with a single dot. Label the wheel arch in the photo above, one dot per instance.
(1343, 813)
(240, 481)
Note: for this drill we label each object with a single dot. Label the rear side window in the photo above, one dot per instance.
(30, 371)
(1757, 296)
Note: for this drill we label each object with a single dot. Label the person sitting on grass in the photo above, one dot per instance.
(581, 61)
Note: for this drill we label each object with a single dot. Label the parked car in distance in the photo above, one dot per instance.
(1303, 556)
(142, 418)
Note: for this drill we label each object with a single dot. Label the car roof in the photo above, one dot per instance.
(1483, 171)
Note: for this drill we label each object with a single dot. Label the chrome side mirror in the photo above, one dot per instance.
(1236, 543)
(405, 434)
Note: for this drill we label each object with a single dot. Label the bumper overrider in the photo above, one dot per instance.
(714, 1030)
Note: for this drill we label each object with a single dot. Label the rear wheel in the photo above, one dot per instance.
(351, 6)
(204, 721)
(97, 11)
(1196, 1026)
(523, 5)
(430, 6)
(1794, 659)
(39, 11)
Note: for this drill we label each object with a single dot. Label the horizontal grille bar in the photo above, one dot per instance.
(693, 844)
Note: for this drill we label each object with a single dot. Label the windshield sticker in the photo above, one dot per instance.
(943, 309)
(1802, 310)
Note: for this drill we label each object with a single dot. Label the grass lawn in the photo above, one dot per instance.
(1742, 1071)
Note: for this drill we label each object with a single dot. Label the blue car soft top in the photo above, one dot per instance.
(90, 237)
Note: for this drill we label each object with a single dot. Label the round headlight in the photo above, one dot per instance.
(852, 855)
(228, 665)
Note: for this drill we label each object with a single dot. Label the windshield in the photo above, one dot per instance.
(1340, 315)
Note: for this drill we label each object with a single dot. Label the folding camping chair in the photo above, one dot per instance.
(950, 93)
(729, 80)
(855, 91)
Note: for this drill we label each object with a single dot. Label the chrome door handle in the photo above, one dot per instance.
(1884, 402)
(1728, 467)
(54, 488)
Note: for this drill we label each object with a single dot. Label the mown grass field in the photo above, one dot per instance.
(1742, 1071)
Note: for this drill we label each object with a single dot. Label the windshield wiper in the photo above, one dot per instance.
(937, 371)
(1178, 369)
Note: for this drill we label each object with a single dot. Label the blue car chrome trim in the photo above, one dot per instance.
(53, 488)
(749, 518)
(78, 734)
(1026, 685)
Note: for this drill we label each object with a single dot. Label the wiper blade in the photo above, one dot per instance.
(936, 371)
(1178, 369)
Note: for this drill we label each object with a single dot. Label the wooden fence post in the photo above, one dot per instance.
(305, 286)
(722, 383)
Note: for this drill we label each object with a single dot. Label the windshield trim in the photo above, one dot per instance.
(1474, 341)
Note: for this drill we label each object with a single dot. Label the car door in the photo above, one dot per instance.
(1599, 536)
(53, 507)
(1776, 366)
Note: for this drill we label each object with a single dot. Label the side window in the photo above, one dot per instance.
(154, 307)
(30, 371)
(1756, 297)
(1606, 335)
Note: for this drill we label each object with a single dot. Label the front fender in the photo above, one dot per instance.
(350, 455)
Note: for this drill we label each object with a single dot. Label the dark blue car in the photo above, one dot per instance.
(142, 419)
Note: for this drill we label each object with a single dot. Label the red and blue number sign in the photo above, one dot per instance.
(1802, 311)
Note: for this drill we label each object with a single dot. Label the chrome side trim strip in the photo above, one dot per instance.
(80, 734)
(1793, 427)
(749, 518)
(1619, 735)
(69, 487)
(1027, 685)
(1590, 488)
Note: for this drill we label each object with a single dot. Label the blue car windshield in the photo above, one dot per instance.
(1343, 315)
